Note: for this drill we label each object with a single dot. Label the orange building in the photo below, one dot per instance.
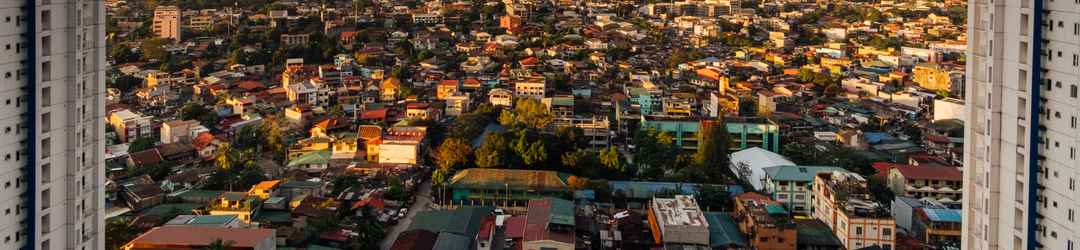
(511, 23)
(765, 222)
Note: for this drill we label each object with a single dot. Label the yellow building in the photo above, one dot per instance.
(931, 76)
(264, 189)
(235, 203)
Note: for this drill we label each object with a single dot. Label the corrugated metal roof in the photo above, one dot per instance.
(723, 231)
(942, 214)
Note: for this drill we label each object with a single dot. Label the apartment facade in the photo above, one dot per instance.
(1021, 133)
(167, 22)
(843, 202)
(54, 156)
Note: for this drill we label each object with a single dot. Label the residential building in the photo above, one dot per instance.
(130, 125)
(235, 203)
(842, 200)
(402, 145)
(458, 104)
(683, 129)
(530, 88)
(793, 185)
(167, 22)
(937, 226)
(938, 183)
(56, 147)
(501, 97)
(295, 39)
(678, 221)
(180, 131)
(765, 222)
(196, 237)
(746, 132)
(1020, 137)
(932, 76)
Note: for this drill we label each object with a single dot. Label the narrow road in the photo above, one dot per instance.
(422, 203)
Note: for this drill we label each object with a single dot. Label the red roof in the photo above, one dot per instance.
(369, 202)
(940, 173)
(177, 235)
(249, 85)
(486, 225)
(417, 105)
(378, 114)
(529, 61)
(449, 82)
(515, 227)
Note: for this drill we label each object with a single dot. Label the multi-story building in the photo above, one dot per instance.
(180, 131)
(167, 22)
(1021, 133)
(501, 97)
(938, 183)
(130, 125)
(530, 88)
(842, 200)
(678, 221)
(55, 142)
(792, 185)
(765, 222)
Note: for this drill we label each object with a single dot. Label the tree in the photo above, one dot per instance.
(126, 83)
(451, 153)
(655, 151)
(140, 144)
(154, 49)
(493, 152)
(271, 130)
(531, 152)
(226, 156)
(527, 113)
(712, 151)
(118, 232)
(612, 159)
(196, 111)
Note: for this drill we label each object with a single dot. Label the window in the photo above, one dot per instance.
(46, 70)
(46, 122)
(46, 148)
(858, 230)
(46, 20)
(46, 45)
(45, 199)
(46, 96)
(886, 232)
(46, 173)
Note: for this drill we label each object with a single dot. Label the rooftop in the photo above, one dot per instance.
(682, 210)
(176, 235)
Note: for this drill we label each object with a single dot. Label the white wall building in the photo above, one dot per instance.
(1021, 138)
(53, 149)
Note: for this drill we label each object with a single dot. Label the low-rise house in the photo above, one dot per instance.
(749, 165)
(235, 203)
(511, 188)
(264, 189)
(138, 193)
(549, 224)
(937, 226)
(180, 131)
(402, 145)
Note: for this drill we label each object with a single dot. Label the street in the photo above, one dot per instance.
(423, 202)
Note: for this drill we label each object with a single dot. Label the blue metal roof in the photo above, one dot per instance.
(942, 214)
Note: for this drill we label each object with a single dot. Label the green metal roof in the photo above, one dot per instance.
(775, 209)
(320, 247)
(300, 184)
(797, 173)
(562, 212)
(272, 216)
(200, 194)
(723, 231)
(462, 221)
(165, 209)
(449, 241)
(314, 157)
(212, 219)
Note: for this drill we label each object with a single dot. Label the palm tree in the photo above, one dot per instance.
(225, 156)
(220, 244)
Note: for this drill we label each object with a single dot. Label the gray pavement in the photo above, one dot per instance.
(422, 203)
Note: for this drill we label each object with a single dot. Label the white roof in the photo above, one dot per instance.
(753, 161)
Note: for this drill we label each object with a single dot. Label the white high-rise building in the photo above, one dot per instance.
(1020, 165)
(52, 85)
